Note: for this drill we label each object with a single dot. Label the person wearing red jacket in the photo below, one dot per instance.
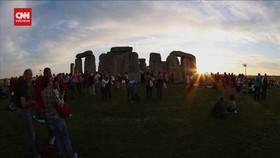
(39, 102)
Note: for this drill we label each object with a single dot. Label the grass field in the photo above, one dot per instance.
(178, 126)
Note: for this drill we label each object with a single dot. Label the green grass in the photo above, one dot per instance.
(179, 125)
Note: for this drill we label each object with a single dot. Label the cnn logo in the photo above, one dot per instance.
(22, 16)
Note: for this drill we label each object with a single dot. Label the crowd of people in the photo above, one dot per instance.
(243, 84)
(256, 86)
(51, 90)
(45, 99)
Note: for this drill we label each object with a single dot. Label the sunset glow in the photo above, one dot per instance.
(222, 35)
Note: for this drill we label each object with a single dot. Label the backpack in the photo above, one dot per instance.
(265, 81)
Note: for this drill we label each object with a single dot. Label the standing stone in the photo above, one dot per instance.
(163, 66)
(120, 60)
(177, 69)
(173, 67)
(78, 65)
(133, 68)
(103, 63)
(72, 68)
(89, 62)
(154, 63)
(142, 64)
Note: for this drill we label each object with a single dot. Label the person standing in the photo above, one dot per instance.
(160, 82)
(12, 89)
(97, 82)
(238, 83)
(72, 85)
(225, 82)
(23, 103)
(257, 86)
(104, 91)
(131, 88)
(55, 121)
(62, 85)
(149, 86)
(265, 84)
(91, 83)
(38, 98)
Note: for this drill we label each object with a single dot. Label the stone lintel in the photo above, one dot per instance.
(121, 49)
(84, 54)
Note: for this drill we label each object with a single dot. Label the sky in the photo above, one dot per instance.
(222, 35)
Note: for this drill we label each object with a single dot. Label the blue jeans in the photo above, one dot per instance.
(25, 116)
(58, 127)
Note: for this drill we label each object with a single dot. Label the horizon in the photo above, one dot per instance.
(221, 35)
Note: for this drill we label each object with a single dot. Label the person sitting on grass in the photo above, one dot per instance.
(159, 85)
(219, 109)
(231, 105)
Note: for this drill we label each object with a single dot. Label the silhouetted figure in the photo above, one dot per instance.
(265, 84)
(257, 86)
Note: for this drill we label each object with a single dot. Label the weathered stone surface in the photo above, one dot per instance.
(177, 69)
(72, 67)
(120, 60)
(154, 62)
(84, 54)
(121, 49)
(103, 63)
(142, 64)
(90, 66)
(78, 64)
(163, 66)
(89, 62)
(133, 67)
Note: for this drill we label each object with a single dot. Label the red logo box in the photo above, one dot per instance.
(22, 16)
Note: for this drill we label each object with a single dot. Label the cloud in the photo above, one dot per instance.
(61, 30)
